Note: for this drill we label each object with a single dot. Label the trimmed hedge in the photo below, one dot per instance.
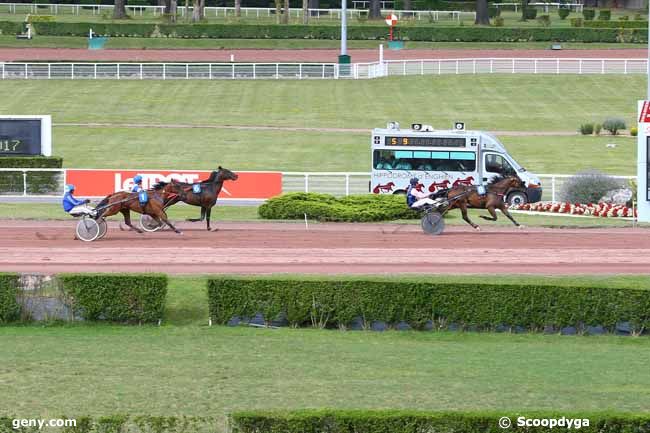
(10, 27)
(326, 207)
(116, 297)
(617, 24)
(394, 421)
(329, 303)
(37, 182)
(436, 34)
(9, 307)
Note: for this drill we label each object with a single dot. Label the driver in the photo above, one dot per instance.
(137, 180)
(414, 198)
(74, 206)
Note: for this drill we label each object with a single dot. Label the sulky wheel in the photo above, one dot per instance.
(148, 224)
(87, 229)
(433, 223)
(103, 227)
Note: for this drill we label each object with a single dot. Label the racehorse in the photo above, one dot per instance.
(206, 198)
(464, 196)
(125, 202)
(385, 188)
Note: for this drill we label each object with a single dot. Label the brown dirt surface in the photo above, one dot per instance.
(261, 248)
(294, 55)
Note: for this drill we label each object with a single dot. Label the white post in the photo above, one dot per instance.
(557, 66)
(118, 71)
(344, 27)
(347, 184)
(277, 71)
(553, 189)
(187, 71)
(306, 182)
(535, 66)
(513, 66)
(49, 71)
(602, 66)
(24, 182)
(421, 67)
(643, 162)
(381, 58)
(94, 70)
(141, 71)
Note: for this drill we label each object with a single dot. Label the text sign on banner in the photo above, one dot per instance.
(100, 183)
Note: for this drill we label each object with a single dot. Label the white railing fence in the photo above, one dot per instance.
(245, 12)
(235, 71)
(578, 7)
(43, 182)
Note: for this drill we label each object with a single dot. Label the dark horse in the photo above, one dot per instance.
(463, 197)
(125, 202)
(206, 198)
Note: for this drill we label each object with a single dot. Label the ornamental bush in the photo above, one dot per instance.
(613, 125)
(577, 22)
(325, 207)
(587, 128)
(530, 13)
(588, 187)
(544, 20)
(563, 13)
(589, 14)
(605, 15)
(9, 307)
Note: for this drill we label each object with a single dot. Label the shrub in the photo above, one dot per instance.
(563, 13)
(9, 307)
(493, 12)
(498, 21)
(588, 187)
(617, 24)
(530, 13)
(589, 14)
(325, 207)
(587, 128)
(624, 18)
(634, 131)
(605, 15)
(335, 303)
(576, 22)
(37, 182)
(597, 128)
(395, 421)
(639, 17)
(544, 20)
(116, 297)
(613, 125)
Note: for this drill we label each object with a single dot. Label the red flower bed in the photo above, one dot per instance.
(597, 210)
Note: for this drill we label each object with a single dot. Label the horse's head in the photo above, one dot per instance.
(224, 174)
(505, 183)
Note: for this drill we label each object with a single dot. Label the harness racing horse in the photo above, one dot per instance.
(463, 196)
(125, 202)
(206, 198)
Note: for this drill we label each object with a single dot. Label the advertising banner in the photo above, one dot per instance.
(100, 183)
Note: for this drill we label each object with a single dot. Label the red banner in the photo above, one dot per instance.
(100, 183)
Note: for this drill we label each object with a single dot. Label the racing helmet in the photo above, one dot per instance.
(137, 179)
(414, 181)
(69, 188)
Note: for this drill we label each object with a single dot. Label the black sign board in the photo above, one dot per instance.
(20, 137)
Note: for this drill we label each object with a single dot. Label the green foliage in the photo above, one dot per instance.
(37, 182)
(434, 34)
(530, 13)
(499, 21)
(470, 305)
(493, 12)
(613, 125)
(577, 22)
(116, 297)
(634, 131)
(41, 18)
(11, 27)
(597, 128)
(589, 14)
(605, 15)
(394, 421)
(617, 24)
(325, 207)
(588, 187)
(563, 13)
(639, 17)
(624, 18)
(587, 128)
(9, 307)
(544, 20)
(124, 423)
(31, 162)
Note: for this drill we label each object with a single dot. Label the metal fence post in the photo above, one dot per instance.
(513, 66)
(456, 67)
(535, 66)
(187, 71)
(491, 66)
(580, 67)
(347, 184)
(553, 188)
(141, 77)
(602, 66)
(557, 66)
(118, 71)
(24, 182)
(306, 182)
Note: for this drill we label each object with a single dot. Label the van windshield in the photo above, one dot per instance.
(423, 160)
(514, 163)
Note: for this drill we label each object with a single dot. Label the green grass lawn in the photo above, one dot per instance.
(188, 368)
(167, 43)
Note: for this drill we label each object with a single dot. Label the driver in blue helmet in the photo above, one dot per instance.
(75, 206)
(137, 187)
(414, 198)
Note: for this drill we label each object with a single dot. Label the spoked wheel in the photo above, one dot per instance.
(88, 229)
(433, 223)
(103, 227)
(148, 224)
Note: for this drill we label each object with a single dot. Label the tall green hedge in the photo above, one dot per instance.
(10, 27)
(12, 182)
(387, 421)
(270, 31)
(617, 24)
(471, 305)
(116, 297)
(9, 307)
(326, 207)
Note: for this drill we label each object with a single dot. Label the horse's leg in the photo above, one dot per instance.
(463, 210)
(127, 219)
(162, 218)
(490, 209)
(198, 219)
(208, 212)
(504, 210)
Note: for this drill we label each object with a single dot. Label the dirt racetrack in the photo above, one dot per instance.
(247, 248)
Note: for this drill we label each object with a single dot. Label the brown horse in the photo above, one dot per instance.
(463, 196)
(206, 198)
(125, 202)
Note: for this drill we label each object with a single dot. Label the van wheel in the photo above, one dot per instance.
(400, 191)
(517, 198)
